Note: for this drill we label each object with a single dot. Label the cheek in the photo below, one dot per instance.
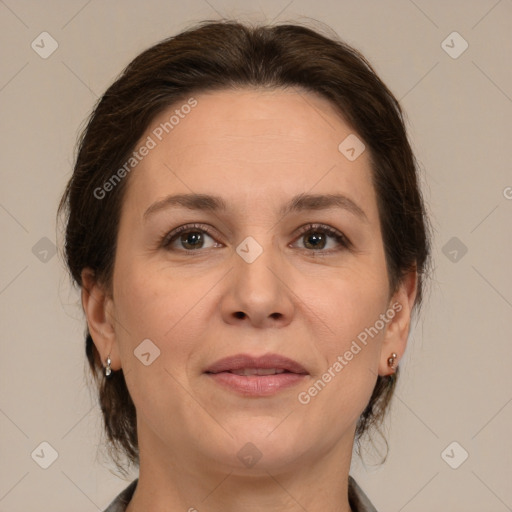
(151, 307)
(342, 387)
(350, 353)
(151, 300)
(155, 327)
(353, 303)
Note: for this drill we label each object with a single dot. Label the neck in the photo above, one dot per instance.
(183, 480)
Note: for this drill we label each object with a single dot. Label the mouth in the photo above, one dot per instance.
(268, 364)
(258, 371)
(257, 376)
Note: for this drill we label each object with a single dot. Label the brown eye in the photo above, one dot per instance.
(192, 240)
(317, 238)
(187, 239)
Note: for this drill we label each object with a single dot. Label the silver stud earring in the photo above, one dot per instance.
(108, 369)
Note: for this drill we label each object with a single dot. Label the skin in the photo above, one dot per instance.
(256, 149)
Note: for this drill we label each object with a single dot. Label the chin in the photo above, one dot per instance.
(262, 448)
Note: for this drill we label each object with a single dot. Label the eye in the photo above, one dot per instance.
(316, 238)
(188, 238)
(192, 237)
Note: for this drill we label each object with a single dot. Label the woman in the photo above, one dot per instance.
(245, 224)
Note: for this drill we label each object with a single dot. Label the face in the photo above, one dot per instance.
(267, 274)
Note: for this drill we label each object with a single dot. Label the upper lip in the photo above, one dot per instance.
(240, 361)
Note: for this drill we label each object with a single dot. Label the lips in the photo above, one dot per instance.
(246, 365)
(256, 377)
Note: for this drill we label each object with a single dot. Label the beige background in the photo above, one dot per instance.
(456, 378)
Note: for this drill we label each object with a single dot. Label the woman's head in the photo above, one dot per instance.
(271, 123)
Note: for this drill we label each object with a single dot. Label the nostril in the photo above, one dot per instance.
(239, 314)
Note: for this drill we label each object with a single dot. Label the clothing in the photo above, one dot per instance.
(356, 497)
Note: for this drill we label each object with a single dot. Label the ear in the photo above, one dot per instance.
(98, 309)
(397, 330)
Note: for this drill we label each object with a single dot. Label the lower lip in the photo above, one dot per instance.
(257, 385)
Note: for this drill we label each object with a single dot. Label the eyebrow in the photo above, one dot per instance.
(298, 203)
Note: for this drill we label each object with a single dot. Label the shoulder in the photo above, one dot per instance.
(121, 501)
(358, 500)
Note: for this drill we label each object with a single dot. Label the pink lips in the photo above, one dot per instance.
(257, 376)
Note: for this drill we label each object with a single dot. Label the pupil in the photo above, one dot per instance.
(185, 238)
(318, 238)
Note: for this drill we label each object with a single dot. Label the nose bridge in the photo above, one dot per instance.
(257, 259)
(257, 283)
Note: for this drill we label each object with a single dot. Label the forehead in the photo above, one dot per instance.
(249, 142)
(247, 119)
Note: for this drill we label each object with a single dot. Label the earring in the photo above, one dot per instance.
(392, 361)
(108, 370)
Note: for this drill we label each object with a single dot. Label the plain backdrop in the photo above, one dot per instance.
(454, 397)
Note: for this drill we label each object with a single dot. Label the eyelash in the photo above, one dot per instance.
(334, 233)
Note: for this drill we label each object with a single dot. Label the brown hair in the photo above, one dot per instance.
(223, 55)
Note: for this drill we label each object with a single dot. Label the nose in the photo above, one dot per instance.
(256, 290)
